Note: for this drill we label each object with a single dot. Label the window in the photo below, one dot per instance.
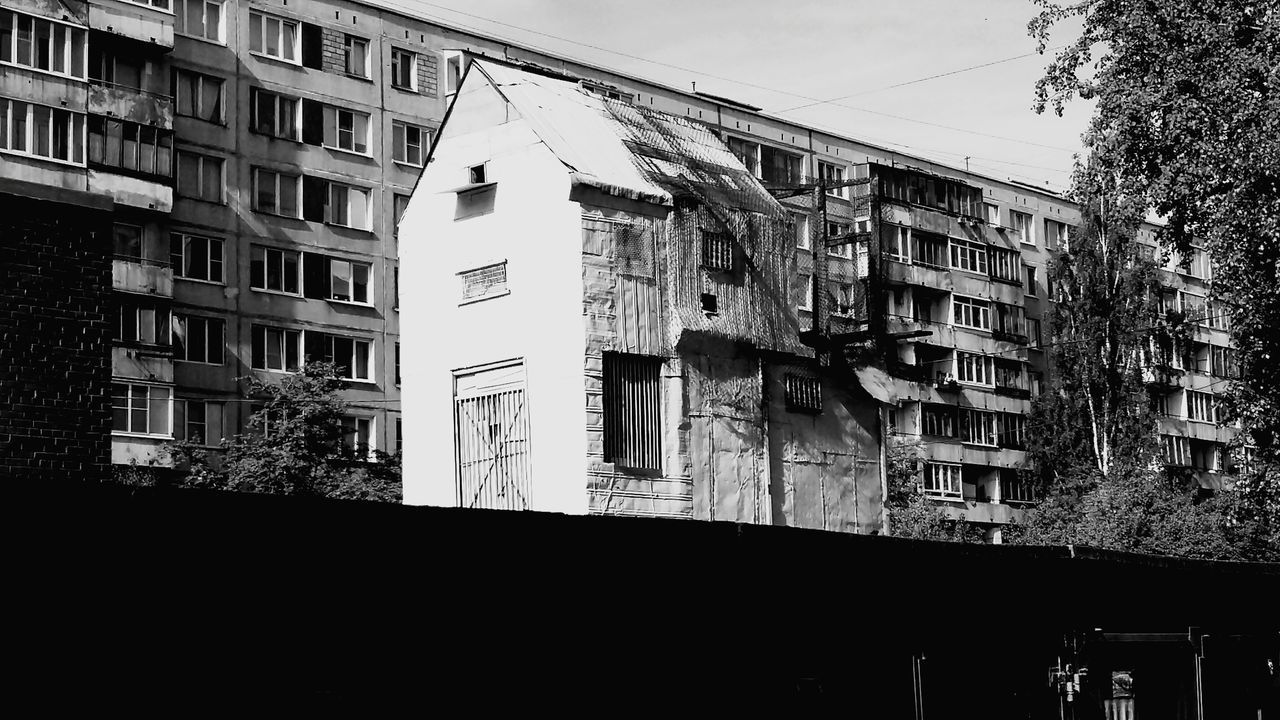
(400, 204)
(1177, 450)
(355, 55)
(1193, 306)
(404, 69)
(349, 281)
(967, 255)
(199, 176)
(127, 240)
(1034, 336)
(832, 174)
(1056, 234)
(397, 364)
(1200, 407)
(276, 115)
(1014, 489)
(897, 244)
(928, 249)
(717, 251)
(196, 258)
(130, 147)
(140, 409)
(1198, 265)
(274, 270)
(778, 166)
(1206, 455)
(484, 282)
(1010, 376)
(162, 4)
(806, 292)
(841, 248)
(971, 312)
(1022, 227)
(198, 339)
(347, 206)
(42, 131)
(1004, 265)
(747, 152)
(346, 130)
(632, 410)
(275, 349)
(978, 427)
(351, 355)
(197, 95)
(974, 369)
(198, 421)
(275, 192)
(1012, 431)
(800, 226)
(802, 393)
(1035, 379)
(409, 143)
(274, 37)
(942, 480)
(42, 44)
(476, 174)
(842, 295)
(1009, 321)
(357, 436)
(1031, 286)
(938, 420)
(143, 321)
(1223, 362)
(199, 18)
(991, 212)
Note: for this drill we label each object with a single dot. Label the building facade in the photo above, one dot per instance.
(259, 153)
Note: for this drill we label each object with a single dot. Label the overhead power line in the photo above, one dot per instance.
(814, 101)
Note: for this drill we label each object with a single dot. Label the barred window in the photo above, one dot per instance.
(942, 480)
(717, 251)
(803, 393)
(632, 410)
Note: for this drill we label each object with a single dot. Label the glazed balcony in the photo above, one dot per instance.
(122, 102)
(142, 276)
(136, 21)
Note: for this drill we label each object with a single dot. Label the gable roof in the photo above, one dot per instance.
(628, 151)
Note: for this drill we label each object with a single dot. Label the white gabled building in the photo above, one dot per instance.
(599, 315)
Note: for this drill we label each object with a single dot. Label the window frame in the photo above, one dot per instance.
(985, 363)
(180, 20)
(287, 336)
(950, 488)
(975, 308)
(352, 266)
(201, 173)
(1023, 225)
(331, 340)
(400, 145)
(330, 205)
(198, 95)
(149, 404)
(182, 347)
(184, 421)
(349, 41)
(280, 179)
(180, 267)
(277, 120)
(397, 65)
(281, 23)
(262, 254)
(75, 143)
(71, 32)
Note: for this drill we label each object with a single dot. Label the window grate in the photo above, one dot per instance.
(803, 394)
(484, 282)
(632, 410)
(717, 251)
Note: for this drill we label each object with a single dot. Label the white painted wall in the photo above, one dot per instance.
(537, 230)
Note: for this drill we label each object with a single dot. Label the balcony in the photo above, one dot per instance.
(132, 20)
(139, 275)
(152, 363)
(127, 103)
(1161, 376)
(132, 191)
(127, 449)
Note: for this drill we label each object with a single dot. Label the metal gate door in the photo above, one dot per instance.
(491, 439)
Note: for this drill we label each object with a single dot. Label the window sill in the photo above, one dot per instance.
(402, 88)
(141, 436)
(220, 203)
(344, 151)
(282, 61)
(407, 165)
(482, 298)
(217, 283)
(276, 372)
(330, 223)
(281, 293)
(42, 71)
(359, 381)
(352, 303)
(199, 362)
(198, 38)
(353, 76)
(45, 158)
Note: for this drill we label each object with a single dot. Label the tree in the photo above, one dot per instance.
(911, 514)
(295, 445)
(1187, 123)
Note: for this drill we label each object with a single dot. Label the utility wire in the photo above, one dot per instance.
(813, 100)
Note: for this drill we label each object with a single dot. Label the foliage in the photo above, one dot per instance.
(1095, 416)
(294, 446)
(911, 514)
(1188, 124)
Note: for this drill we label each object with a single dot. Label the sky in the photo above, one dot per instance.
(784, 55)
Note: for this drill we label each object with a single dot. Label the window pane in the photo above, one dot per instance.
(397, 141)
(273, 260)
(360, 283)
(290, 40)
(159, 411)
(340, 272)
(359, 208)
(255, 32)
(210, 100)
(265, 190)
(6, 36)
(58, 50)
(288, 114)
(275, 340)
(194, 18)
(197, 339)
(187, 84)
(212, 188)
(362, 360)
(264, 109)
(138, 408)
(40, 116)
(288, 196)
(212, 17)
(44, 33)
(188, 172)
(120, 407)
(291, 272)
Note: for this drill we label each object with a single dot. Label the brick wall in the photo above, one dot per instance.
(428, 73)
(55, 350)
(334, 57)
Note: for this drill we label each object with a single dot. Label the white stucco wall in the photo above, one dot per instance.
(537, 230)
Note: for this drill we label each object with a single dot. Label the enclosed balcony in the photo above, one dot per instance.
(150, 23)
(130, 104)
(142, 276)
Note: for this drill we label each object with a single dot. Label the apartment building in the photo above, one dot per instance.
(259, 153)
